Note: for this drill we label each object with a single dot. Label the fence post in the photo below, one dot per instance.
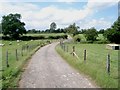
(64, 47)
(108, 64)
(67, 48)
(7, 59)
(73, 50)
(85, 55)
(22, 51)
(60, 43)
(27, 48)
(16, 54)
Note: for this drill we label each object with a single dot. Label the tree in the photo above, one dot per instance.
(0, 28)
(53, 26)
(83, 31)
(113, 33)
(101, 31)
(72, 29)
(91, 34)
(12, 26)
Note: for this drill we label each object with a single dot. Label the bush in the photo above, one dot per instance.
(25, 38)
(58, 37)
(77, 38)
(91, 34)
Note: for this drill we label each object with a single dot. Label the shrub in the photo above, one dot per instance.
(91, 34)
(77, 38)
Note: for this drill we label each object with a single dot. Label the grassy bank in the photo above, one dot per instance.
(95, 65)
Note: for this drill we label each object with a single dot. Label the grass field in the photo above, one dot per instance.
(12, 73)
(42, 34)
(45, 34)
(100, 37)
(95, 65)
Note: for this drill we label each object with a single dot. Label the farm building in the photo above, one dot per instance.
(113, 46)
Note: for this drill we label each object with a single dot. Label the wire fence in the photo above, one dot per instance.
(74, 52)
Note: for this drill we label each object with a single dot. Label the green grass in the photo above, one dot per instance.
(45, 34)
(95, 65)
(100, 37)
(12, 73)
(1, 34)
(82, 37)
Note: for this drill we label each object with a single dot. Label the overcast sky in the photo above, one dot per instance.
(40, 13)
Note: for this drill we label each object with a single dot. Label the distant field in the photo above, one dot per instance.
(95, 65)
(46, 34)
(100, 37)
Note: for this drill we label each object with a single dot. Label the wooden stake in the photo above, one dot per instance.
(85, 55)
(7, 59)
(108, 64)
(16, 54)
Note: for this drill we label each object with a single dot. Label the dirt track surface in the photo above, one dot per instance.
(47, 69)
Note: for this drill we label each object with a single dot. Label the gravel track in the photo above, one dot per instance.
(47, 69)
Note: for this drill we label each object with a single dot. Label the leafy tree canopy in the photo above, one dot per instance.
(12, 26)
(53, 26)
(113, 33)
(91, 34)
(0, 28)
(72, 29)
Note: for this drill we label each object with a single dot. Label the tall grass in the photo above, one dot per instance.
(95, 65)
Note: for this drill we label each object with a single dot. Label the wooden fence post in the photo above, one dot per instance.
(60, 43)
(7, 59)
(73, 50)
(85, 55)
(64, 47)
(16, 54)
(108, 64)
(22, 51)
(67, 48)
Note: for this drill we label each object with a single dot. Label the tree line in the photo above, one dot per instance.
(12, 26)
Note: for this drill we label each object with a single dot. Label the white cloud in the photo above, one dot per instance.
(98, 4)
(43, 0)
(102, 23)
(40, 18)
(59, 0)
(36, 17)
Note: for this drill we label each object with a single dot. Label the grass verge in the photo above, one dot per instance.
(95, 66)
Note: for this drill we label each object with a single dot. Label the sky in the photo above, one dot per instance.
(39, 14)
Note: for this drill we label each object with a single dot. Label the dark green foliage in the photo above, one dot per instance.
(53, 26)
(34, 31)
(0, 28)
(91, 34)
(101, 31)
(25, 38)
(12, 26)
(72, 29)
(58, 37)
(113, 33)
(77, 38)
